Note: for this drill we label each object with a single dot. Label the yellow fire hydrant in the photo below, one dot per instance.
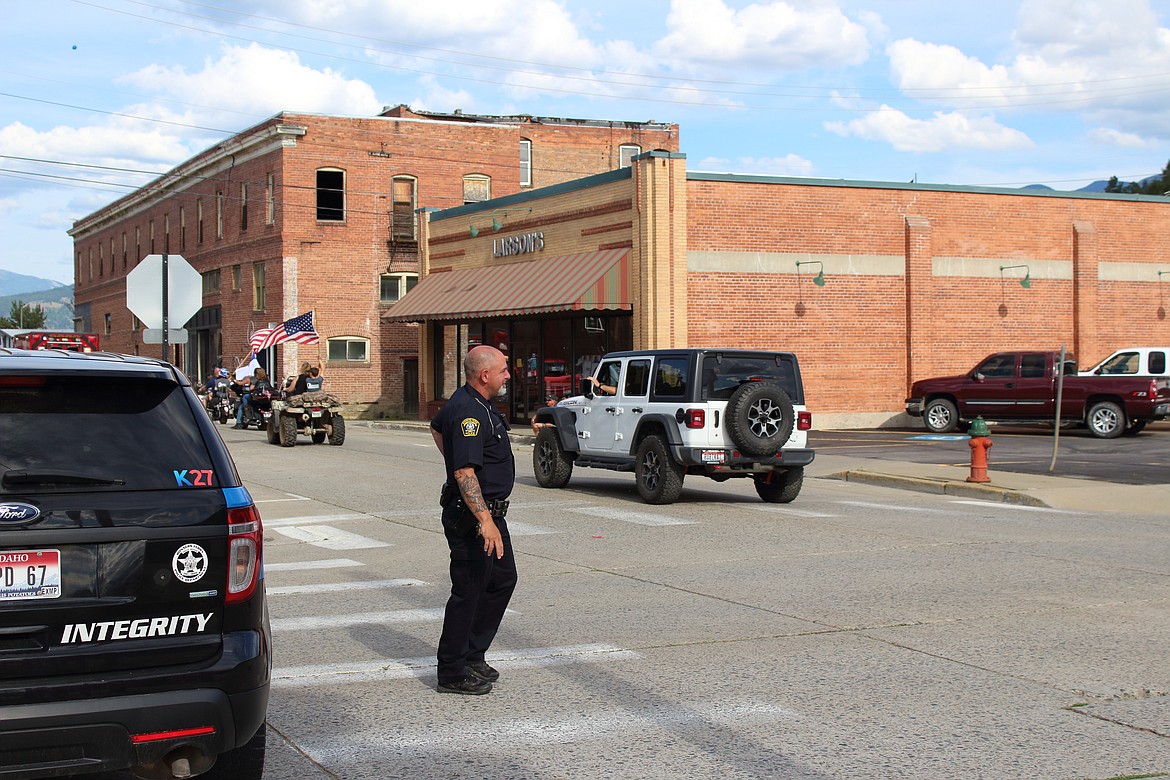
(979, 443)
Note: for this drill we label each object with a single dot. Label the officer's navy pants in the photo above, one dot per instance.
(481, 586)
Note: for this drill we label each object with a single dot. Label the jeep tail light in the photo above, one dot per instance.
(804, 421)
(245, 544)
(696, 418)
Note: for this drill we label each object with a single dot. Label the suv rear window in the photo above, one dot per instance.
(73, 433)
(723, 377)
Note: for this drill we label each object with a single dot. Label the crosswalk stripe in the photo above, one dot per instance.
(329, 563)
(1012, 507)
(314, 622)
(638, 518)
(785, 510)
(400, 668)
(334, 587)
(330, 538)
(314, 519)
(516, 528)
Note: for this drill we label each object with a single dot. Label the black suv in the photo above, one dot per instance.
(133, 625)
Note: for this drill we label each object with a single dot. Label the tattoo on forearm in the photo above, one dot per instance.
(472, 494)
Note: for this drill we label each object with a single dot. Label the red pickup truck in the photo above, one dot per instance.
(1020, 387)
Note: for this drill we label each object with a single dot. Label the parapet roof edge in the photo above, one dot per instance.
(885, 185)
(519, 198)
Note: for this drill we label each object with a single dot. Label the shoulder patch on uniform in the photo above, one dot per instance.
(470, 426)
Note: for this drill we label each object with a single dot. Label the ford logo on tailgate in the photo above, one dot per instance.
(16, 513)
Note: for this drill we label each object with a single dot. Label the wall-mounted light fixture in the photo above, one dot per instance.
(497, 225)
(819, 279)
(1026, 282)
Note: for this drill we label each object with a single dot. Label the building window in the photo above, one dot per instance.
(244, 206)
(152, 236)
(211, 282)
(270, 199)
(258, 292)
(402, 224)
(331, 195)
(236, 278)
(101, 260)
(349, 349)
(108, 325)
(137, 245)
(113, 257)
(89, 261)
(219, 215)
(626, 154)
(394, 286)
(525, 163)
(476, 188)
(123, 250)
(182, 229)
(167, 233)
(136, 323)
(199, 221)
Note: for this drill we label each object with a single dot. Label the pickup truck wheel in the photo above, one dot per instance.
(941, 416)
(760, 418)
(780, 487)
(659, 478)
(549, 461)
(1106, 420)
(337, 438)
(288, 430)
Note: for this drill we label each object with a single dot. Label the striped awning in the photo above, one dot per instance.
(587, 281)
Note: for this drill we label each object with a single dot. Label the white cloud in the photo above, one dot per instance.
(943, 132)
(789, 165)
(773, 35)
(1111, 137)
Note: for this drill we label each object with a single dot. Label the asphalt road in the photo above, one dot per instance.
(1143, 459)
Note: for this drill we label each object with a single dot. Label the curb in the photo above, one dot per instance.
(982, 492)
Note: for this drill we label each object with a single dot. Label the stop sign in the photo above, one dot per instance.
(144, 291)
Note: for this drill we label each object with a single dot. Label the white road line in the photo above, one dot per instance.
(891, 507)
(1012, 507)
(516, 528)
(400, 668)
(315, 622)
(334, 587)
(314, 519)
(784, 510)
(511, 734)
(279, 500)
(330, 563)
(638, 518)
(330, 538)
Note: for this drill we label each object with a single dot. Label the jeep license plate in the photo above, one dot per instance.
(30, 574)
(714, 456)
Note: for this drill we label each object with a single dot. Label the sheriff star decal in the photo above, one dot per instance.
(470, 427)
(189, 563)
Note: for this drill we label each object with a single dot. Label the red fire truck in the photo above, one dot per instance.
(46, 339)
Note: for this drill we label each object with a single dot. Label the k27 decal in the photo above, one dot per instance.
(193, 477)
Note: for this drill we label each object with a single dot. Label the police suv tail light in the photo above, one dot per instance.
(804, 421)
(696, 418)
(245, 540)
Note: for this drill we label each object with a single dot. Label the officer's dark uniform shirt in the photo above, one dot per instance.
(475, 434)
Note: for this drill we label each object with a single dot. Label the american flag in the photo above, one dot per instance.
(299, 329)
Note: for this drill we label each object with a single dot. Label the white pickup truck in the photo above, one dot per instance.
(1133, 361)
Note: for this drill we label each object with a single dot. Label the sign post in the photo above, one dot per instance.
(162, 288)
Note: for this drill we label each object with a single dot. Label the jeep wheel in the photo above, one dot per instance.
(760, 418)
(337, 437)
(940, 416)
(288, 430)
(549, 461)
(243, 763)
(272, 431)
(659, 478)
(780, 487)
(1106, 420)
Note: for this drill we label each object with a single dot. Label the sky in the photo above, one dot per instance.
(97, 97)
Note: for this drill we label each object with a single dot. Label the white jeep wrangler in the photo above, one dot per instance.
(718, 413)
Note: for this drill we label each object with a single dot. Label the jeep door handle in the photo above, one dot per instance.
(610, 409)
(637, 410)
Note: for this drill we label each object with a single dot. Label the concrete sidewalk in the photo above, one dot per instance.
(1078, 495)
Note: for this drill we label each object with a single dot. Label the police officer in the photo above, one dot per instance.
(473, 438)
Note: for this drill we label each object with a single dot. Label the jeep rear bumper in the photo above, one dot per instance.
(715, 460)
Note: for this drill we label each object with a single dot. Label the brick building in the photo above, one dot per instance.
(312, 212)
(918, 280)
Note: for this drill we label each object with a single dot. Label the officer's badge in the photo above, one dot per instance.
(470, 426)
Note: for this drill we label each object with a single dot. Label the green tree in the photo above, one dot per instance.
(24, 315)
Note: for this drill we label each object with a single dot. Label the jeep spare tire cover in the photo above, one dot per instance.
(760, 418)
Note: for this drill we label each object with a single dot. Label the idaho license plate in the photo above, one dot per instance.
(30, 574)
(315, 413)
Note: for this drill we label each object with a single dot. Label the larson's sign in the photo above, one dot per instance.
(517, 245)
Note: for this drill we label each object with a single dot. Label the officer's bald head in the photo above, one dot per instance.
(487, 359)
